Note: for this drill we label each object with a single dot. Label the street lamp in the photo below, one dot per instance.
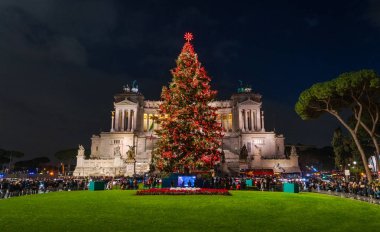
(354, 162)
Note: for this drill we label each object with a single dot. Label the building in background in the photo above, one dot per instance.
(126, 149)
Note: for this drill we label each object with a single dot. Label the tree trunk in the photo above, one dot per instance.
(362, 154)
(376, 144)
(358, 145)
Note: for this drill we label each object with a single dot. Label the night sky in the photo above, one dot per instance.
(61, 61)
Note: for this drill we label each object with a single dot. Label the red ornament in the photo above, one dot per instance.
(188, 36)
(190, 134)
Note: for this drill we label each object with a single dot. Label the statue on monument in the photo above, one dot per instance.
(126, 88)
(81, 150)
(117, 151)
(293, 151)
(131, 153)
(243, 153)
(278, 167)
(135, 87)
(257, 151)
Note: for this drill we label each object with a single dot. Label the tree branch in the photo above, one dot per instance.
(358, 115)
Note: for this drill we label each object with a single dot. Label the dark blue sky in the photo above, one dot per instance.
(61, 61)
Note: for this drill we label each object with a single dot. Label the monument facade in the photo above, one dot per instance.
(125, 150)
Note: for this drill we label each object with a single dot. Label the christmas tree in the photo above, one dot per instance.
(189, 132)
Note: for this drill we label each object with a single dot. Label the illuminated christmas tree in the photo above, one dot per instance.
(189, 132)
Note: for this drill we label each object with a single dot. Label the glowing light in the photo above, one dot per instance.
(188, 36)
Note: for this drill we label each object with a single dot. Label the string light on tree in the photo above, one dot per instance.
(190, 135)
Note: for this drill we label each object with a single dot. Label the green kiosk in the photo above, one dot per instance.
(290, 187)
(96, 185)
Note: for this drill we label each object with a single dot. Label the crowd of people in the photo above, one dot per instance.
(359, 187)
(12, 187)
(122, 183)
(263, 183)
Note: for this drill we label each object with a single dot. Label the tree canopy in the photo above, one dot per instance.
(11, 153)
(32, 163)
(338, 94)
(66, 155)
(351, 92)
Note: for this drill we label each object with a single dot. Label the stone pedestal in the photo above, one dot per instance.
(130, 168)
(256, 161)
(243, 164)
(224, 169)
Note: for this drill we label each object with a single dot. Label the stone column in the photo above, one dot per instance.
(112, 121)
(129, 112)
(137, 123)
(117, 120)
(252, 128)
(132, 120)
(241, 122)
(123, 120)
(227, 122)
(155, 122)
(258, 120)
(246, 120)
(234, 122)
(147, 121)
(262, 121)
(221, 121)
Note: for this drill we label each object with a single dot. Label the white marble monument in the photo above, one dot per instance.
(126, 148)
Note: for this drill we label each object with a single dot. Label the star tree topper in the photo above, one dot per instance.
(188, 36)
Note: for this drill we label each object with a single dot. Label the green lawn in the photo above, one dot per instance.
(243, 211)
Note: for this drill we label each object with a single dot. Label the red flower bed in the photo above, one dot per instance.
(183, 191)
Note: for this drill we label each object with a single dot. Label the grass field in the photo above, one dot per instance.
(243, 211)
